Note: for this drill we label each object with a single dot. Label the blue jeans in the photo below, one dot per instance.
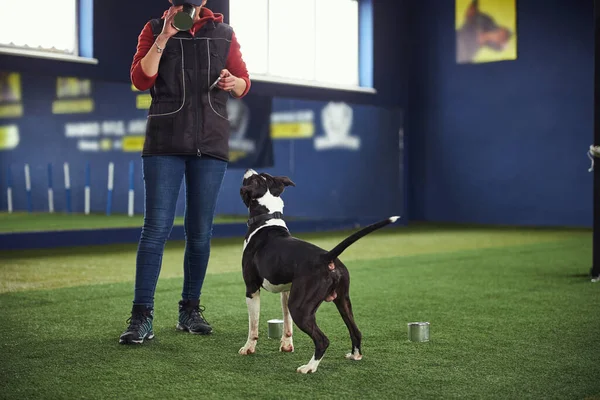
(162, 182)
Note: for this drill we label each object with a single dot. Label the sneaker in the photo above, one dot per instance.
(140, 326)
(191, 318)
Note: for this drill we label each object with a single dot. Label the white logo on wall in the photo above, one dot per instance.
(239, 118)
(104, 135)
(337, 124)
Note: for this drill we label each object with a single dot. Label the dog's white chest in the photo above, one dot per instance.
(276, 288)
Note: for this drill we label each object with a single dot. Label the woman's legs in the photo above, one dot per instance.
(162, 182)
(203, 179)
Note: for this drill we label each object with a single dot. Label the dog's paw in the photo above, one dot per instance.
(310, 367)
(307, 369)
(249, 348)
(245, 351)
(286, 348)
(355, 355)
(286, 345)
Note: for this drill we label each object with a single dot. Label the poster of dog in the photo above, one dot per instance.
(486, 31)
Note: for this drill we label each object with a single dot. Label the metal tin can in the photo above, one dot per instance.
(418, 331)
(184, 19)
(275, 328)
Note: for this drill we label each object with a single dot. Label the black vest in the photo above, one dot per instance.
(184, 117)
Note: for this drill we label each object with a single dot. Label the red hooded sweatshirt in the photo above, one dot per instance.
(235, 64)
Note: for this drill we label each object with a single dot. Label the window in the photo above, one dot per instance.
(312, 40)
(69, 36)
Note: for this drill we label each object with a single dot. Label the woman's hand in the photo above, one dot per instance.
(168, 28)
(227, 82)
(230, 83)
(151, 60)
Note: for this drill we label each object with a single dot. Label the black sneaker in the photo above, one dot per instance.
(191, 318)
(140, 326)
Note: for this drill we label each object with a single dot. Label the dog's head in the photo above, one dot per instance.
(489, 33)
(261, 192)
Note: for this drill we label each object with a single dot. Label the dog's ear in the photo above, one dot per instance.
(279, 184)
(472, 10)
(285, 180)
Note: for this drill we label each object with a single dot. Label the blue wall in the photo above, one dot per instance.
(334, 183)
(368, 182)
(503, 142)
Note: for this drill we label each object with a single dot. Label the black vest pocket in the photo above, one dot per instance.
(217, 64)
(218, 102)
(159, 133)
(160, 109)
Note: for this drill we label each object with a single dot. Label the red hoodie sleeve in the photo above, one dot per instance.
(236, 65)
(138, 77)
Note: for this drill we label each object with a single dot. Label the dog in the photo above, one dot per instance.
(478, 31)
(304, 274)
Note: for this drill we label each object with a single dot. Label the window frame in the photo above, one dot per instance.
(365, 58)
(83, 39)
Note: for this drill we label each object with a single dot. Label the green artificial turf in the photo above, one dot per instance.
(25, 222)
(512, 315)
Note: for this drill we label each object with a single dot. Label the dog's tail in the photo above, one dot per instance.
(337, 250)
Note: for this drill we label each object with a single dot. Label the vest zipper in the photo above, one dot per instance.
(198, 153)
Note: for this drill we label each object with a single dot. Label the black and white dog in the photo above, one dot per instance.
(303, 273)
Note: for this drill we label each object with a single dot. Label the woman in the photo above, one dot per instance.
(186, 136)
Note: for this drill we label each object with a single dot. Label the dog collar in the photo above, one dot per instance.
(264, 217)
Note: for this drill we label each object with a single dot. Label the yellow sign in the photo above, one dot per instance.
(10, 87)
(10, 95)
(133, 143)
(297, 124)
(11, 111)
(72, 106)
(106, 144)
(73, 87)
(235, 155)
(9, 137)
(486, 31)
(73, 96)
(143, 101)
(292, 130)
